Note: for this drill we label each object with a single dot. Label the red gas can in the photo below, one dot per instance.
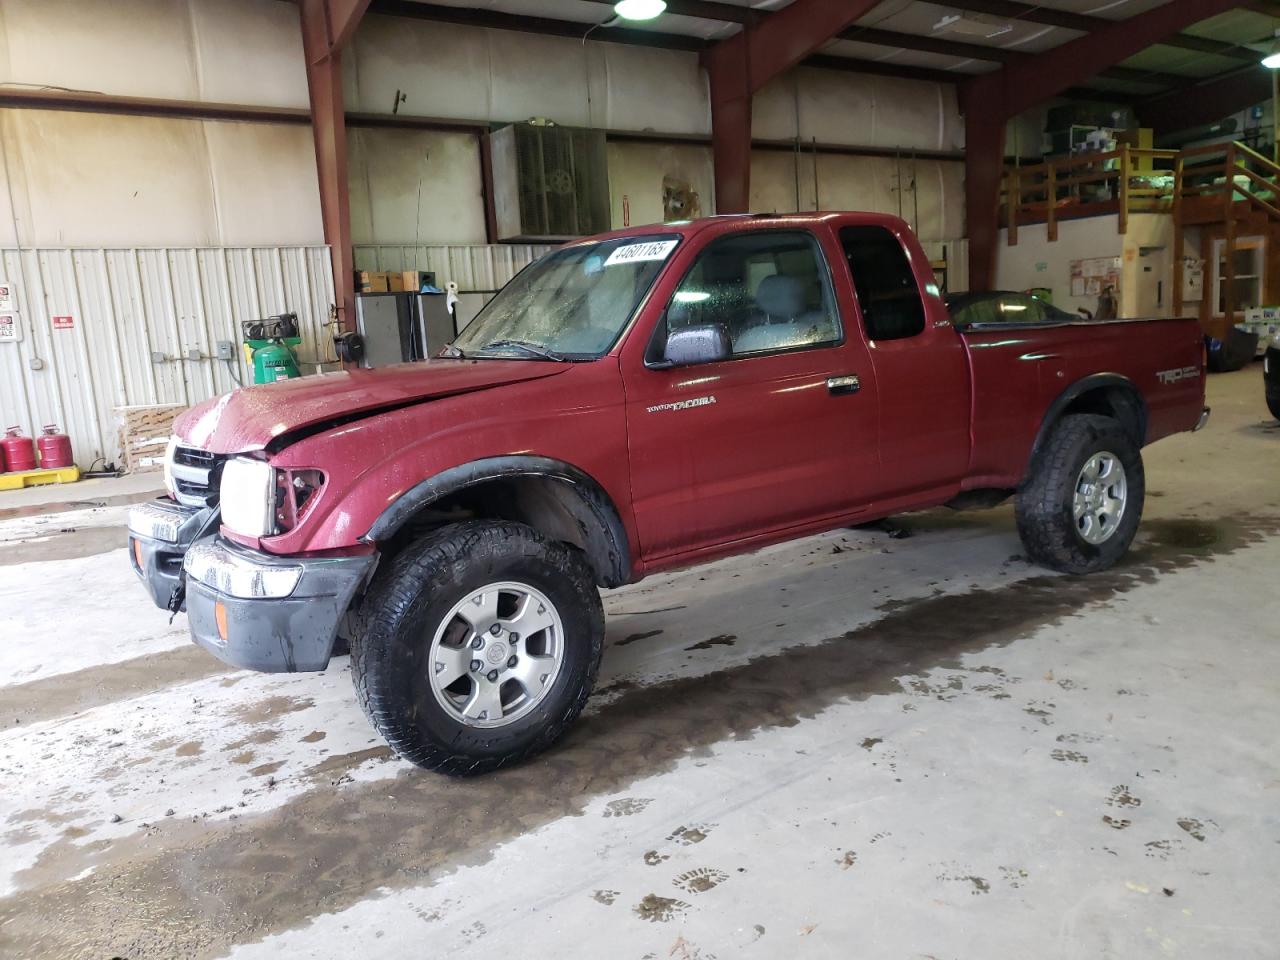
(55, 449)
(20, 451)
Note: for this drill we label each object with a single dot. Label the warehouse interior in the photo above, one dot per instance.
(891, 731)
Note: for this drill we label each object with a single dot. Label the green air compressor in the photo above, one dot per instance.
(268, 347)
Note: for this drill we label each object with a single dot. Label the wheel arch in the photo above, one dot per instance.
(1106, 394)
(554, 497)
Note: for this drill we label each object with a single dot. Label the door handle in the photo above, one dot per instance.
(838, 386)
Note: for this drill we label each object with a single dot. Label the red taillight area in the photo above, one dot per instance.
(296, 493)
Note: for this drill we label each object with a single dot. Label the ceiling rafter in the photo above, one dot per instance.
(1205, 101)
(649, 38)
(1016, 87)
(1086, 23)
(991, 54)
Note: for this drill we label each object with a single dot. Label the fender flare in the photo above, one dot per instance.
(1095, 381)
(608, 546)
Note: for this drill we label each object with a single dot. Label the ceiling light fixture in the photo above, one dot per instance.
(1272, 59)
(972, 25)
(639, 9)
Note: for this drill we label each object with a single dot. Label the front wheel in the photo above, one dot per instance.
(1080, 507)
(478, 647)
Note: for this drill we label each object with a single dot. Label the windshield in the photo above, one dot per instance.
(573, 303)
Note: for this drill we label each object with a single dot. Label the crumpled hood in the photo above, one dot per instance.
(251, 417)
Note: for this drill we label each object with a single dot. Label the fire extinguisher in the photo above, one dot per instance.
(55, 448)
(20, 451)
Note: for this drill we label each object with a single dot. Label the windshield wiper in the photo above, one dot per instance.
(534, 349)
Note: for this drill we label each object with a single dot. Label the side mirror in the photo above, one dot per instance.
(689, 346)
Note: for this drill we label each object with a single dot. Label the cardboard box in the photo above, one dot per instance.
(375, 282)
(408, 281)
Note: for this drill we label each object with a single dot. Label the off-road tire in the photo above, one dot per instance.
(1273, 404)
(396, 620)
(1044, 503)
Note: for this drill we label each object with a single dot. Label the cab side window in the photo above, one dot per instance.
(769, 290)
(882, 278)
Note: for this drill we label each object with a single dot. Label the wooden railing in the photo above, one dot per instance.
(1207, 181)
(1088, 184)
(1222, 175)
(1217, 184)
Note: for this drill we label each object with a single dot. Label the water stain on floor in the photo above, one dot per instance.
(132, 906)
(634, 637)
(263, 711)
(723, 640)
(52, 697)
(72, 545)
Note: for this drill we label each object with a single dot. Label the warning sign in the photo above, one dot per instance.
(10, 328)
(63, 323)
(6, 298)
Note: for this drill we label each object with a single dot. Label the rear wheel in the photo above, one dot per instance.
(478, 647)
(1081, 505)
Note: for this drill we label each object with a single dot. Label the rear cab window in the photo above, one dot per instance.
(769, 289)
(885, 284)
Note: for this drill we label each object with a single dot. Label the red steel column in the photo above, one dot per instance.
(984, 133)
(326, 26)
(743, 63)
(731, 131)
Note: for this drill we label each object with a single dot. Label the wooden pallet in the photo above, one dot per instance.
(144, 434)
(33, 478)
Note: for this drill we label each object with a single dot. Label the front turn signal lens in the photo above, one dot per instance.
(137, 554)
(220, 615)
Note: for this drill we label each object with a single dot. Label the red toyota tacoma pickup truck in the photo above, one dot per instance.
(629, 403)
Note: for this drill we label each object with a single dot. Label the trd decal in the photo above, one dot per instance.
(1170, 377)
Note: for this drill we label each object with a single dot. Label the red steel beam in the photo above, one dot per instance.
(1207, 101)
(992, 99)
(327, 26)
(1025, 84)
(1086, 23)
(740, 65)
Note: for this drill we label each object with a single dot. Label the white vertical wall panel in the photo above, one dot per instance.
(137, 314)
(231, 51)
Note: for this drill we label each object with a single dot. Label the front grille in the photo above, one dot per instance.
(195, 475)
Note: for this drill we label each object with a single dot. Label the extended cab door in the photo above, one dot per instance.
(922, 372)
(780, 432)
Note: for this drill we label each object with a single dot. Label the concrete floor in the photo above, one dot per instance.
(854, 745)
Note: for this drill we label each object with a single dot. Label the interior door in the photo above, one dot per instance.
(781, 432)
(922, 371)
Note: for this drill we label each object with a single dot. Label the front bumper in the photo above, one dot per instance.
(280, 634)
(160, 532)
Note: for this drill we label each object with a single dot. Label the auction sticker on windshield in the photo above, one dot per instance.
(633, 252)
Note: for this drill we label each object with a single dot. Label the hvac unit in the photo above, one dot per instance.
(549, 183)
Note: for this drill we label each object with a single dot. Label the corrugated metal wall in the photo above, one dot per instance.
(137, 314)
